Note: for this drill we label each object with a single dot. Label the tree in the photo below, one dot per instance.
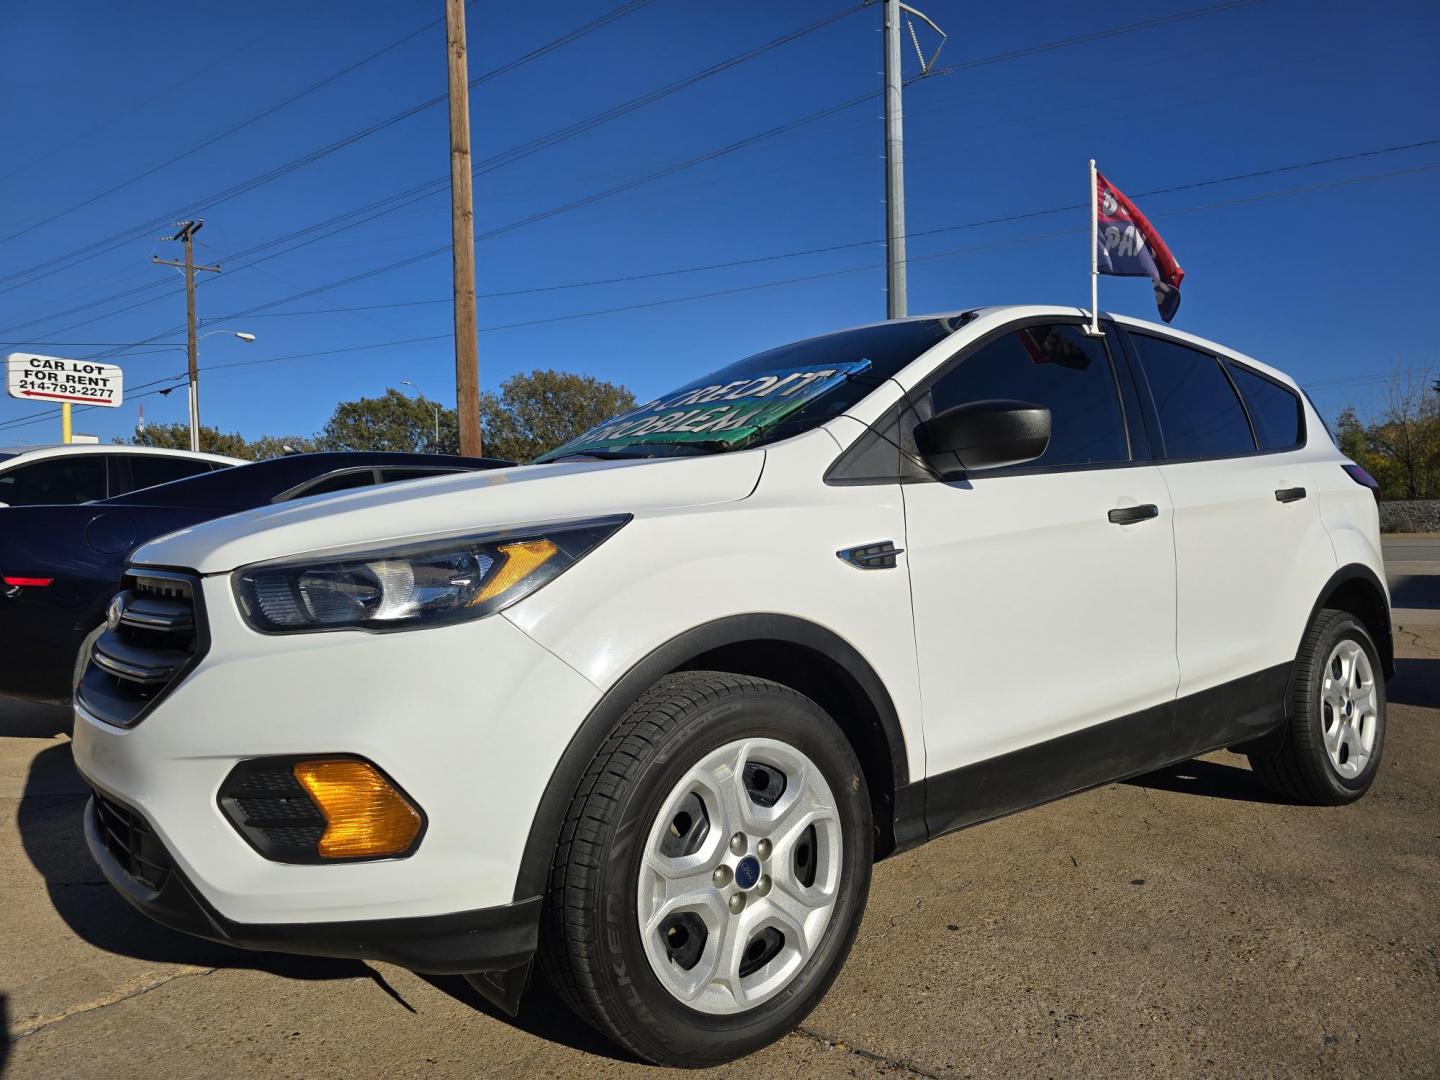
(1407, 438)
(272, 446)
(394, 422)
(177, 437)
(539, 410)
(533, 413)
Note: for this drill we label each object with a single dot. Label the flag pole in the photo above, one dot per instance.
(1094, 328)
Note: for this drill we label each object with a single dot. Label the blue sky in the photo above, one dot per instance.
(1325, 283)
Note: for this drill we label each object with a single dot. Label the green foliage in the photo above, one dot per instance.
(177, 437)
(533, 413)
(1400, 447)
(273, 446)
(394, 422)
(539, 410)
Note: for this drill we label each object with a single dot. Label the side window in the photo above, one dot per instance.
(354, 478)
(390, 476)
(1059, 368)
(1200, 416)
(1274, 410)
(148, 470)
(68, 479)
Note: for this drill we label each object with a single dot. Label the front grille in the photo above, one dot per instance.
(154, 634)
(133, 843)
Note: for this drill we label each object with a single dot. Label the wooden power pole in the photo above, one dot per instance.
(462, 233)
(186, 235)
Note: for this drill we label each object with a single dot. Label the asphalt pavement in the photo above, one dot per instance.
(1182, 924)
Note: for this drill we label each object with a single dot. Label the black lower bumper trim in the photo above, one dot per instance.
(487, 939)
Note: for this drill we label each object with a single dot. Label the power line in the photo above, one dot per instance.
(440, 184)
(575, 204)
(232, 130)
(712, 294)
(110, 243)
(1027, 215)
(830, 248)
(1098, 35)
(422, 191)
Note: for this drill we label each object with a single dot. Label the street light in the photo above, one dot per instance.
(195, 383)
(434, 405)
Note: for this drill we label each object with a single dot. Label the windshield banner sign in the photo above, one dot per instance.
(728, 413)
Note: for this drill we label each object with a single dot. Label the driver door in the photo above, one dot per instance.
(1044, 593)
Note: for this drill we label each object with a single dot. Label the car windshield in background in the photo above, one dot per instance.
(772, 395)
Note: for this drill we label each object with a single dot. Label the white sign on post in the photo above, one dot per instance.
(70, 382)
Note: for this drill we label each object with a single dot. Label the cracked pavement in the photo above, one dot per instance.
(1182, 924)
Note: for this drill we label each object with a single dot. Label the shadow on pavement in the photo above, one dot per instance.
(51, 826)
(1416, 682)
(542, 1014)
(28, 720)
(1212, 778)
(1415, 591)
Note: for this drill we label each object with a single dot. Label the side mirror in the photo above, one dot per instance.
(984, 435)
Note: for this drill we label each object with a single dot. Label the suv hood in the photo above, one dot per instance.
(456, 504)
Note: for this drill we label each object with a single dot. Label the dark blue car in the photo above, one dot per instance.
(60, 565)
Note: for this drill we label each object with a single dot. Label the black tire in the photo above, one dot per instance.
(591, 947)
(1302, 770)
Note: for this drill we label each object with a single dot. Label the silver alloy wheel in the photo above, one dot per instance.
(1349, 708)
(735, 895)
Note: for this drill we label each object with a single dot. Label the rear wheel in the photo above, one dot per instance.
(1337, 725)
(711, 872)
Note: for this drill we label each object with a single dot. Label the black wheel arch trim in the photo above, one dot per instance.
(1272, 742)
(1359, 572)
(534, 873)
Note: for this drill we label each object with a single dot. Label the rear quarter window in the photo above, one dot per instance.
(1274, 409)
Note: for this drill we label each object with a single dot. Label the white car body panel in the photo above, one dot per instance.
(450, 505)
(1017, 614)
(439, 710)
(774, 553)
(1024, 594)
(25, 455)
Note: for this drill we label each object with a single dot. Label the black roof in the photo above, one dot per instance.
(244, 486)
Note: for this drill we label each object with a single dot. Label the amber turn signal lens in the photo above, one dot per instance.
(521, 560)
(366, 817)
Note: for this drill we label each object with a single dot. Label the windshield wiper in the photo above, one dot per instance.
(601, 455)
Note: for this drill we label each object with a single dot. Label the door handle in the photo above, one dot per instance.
(1286, 495)
(1128, 515)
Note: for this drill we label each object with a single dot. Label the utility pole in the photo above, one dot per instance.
(462, 233)
(186, 235)
(895, 289)
(895, 280)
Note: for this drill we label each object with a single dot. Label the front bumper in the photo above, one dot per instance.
(485, 940)
(469, 720)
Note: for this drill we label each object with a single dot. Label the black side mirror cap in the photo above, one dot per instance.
(984, 435)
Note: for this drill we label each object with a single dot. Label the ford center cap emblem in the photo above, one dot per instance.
(747, 873)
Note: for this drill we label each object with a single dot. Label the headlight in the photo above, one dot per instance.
(429, 584)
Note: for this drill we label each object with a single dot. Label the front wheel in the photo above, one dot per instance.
(1337, 724)
(711, 872)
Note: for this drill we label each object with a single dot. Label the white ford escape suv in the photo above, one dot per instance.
(648, 710)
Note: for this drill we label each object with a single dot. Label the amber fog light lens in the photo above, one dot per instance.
(365, 816)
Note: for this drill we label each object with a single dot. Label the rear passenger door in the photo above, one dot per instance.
(132, 472)
(1250, 549)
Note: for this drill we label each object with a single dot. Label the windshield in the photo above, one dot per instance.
(772, 395)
